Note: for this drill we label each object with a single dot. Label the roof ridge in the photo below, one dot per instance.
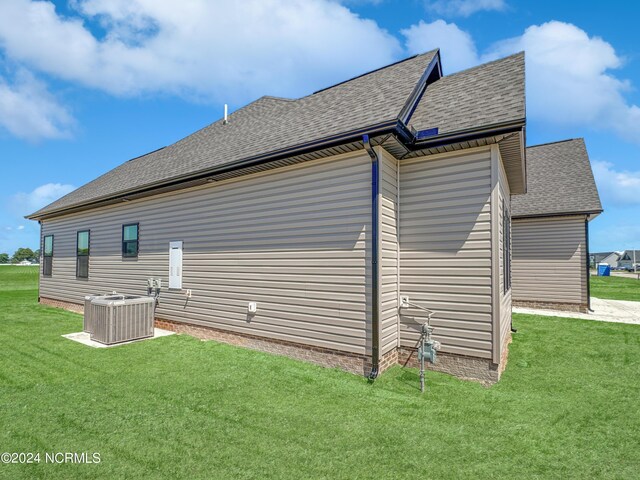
(555, 142)
(272, 128)
(374, 71)
(292, 100)
(145, 154)
(482, 65)
(282, 99)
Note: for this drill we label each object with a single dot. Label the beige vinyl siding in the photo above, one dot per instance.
(445, 249)
(294, 240)
(388, 252)
(505, 297)
(549, 260)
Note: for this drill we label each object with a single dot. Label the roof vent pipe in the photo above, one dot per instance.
(226, 111)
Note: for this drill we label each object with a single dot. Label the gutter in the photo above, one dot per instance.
(406, 135)
(557, 214)
(467, 135)
(411, 139)
(382, 128)
(375, 287)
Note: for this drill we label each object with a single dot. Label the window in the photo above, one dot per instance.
(82, 254)
(506, 248)
(47, 260)
(130, 240)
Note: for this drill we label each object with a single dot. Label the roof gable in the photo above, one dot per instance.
(559, 181)
(489, 94)
(489, 97)
(600, 256)
(628, 255)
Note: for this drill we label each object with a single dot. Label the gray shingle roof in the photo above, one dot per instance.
(599, 256)
(268, 124)
(482, 96)
(627, 255)
(488, 94)
(559, 181)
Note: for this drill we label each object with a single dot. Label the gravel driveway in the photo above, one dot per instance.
(620, 311)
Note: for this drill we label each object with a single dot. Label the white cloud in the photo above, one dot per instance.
(569, 79)
(29, 111)
(235, 51)
(458, 51)
(26, 203)
(620, 187)
(20, 227)
(463, 8)
(216, 50)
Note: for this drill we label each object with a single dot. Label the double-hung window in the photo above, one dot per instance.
(130, 240)
(82, 254)
(47, 255)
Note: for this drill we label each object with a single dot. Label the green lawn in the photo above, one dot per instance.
(615, 288)
(568, 406)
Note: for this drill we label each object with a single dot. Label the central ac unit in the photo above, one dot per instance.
(88, 319)
(123, 319)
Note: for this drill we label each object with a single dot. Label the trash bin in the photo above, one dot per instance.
(604, 270)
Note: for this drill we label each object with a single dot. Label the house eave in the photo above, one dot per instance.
(590, 214)
(510, 137)
(204, 175)
(320, 147)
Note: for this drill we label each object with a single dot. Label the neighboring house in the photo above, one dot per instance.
(627, 258)
(551, 227)
(610, 258)
(323, 210)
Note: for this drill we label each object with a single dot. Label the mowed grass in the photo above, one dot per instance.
(615, 288)
(176, 407)
(13, 277)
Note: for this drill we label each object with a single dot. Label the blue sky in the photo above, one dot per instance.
(88, 84)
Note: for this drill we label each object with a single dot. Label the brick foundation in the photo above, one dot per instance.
(389, 359)
(564, 307)
(359, 364)
(467, 368)
(72, 307)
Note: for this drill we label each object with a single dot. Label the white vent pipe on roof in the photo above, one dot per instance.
(226, 111)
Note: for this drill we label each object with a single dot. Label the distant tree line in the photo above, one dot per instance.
(20, 255)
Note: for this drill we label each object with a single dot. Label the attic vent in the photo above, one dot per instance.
(429, 132)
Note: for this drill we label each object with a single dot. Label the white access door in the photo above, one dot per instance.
(175, 265)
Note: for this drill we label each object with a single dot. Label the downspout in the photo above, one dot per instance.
(375, 288)
(588, 264)
(40, 259)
